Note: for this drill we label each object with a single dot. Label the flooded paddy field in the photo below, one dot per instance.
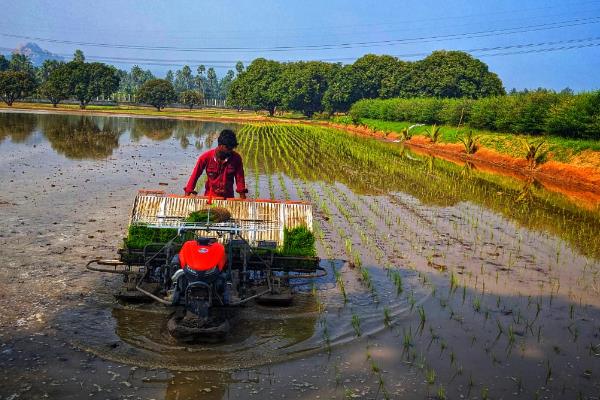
(444, 280)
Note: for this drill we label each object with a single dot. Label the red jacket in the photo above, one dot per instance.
(220, 173)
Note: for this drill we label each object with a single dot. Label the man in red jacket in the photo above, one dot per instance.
(223, 165)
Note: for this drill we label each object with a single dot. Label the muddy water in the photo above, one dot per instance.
(462, 283)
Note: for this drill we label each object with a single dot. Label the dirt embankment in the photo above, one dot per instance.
(581, 178)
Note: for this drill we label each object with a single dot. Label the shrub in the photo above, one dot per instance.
(575, 116)
(533, 112)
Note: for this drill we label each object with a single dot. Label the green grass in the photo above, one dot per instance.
(562, 149)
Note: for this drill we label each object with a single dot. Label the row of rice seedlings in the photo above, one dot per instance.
(381, 388)
(475, 223)
(267, 160)
(327, 246)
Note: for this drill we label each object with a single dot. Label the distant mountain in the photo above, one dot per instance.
(36, 54)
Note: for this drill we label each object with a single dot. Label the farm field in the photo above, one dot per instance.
(444, 280)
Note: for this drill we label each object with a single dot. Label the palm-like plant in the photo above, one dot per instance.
(433, 133)
(470, 142)
(534, 152)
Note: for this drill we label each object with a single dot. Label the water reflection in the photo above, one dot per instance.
(96, 137)
(82, 137)
(17, 127)
(155, 129)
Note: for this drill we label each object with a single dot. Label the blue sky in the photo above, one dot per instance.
(196, 32)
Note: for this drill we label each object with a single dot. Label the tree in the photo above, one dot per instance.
(78, 56)
(303, 84)
(157, 92)
(239, 67)
(4, 63)
(370, 71)
(257, 86)
(190, 98)
(43, 72)
(21, 63)
(184, 79)
(201, 82)
(57, 86)
(170, 77)
(15, 85)
(453, 74)
(237, 96)
(212, 84)
(90, 80)
(225, 83)
(343, 90)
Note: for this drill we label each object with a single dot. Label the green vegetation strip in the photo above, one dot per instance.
(559, 114)
(562, 149)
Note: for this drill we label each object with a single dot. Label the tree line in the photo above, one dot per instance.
(315, 86)
(84, 81)
(56, 80)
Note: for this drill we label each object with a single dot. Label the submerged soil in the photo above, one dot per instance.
(461, 284)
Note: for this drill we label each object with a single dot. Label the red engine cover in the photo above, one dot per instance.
(202, 257)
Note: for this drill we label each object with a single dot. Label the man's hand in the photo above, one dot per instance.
(192, 194)
(242, 195)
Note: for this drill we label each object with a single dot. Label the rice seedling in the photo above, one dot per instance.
(441, 393)
(340, 282)
(511, 338)
(356, 324)
(477, 304)
(338, 375)
(574, 331)
(459, 371)
(485, 393)
(453, 282)
(422, 317)
(412, 301)
(470, 385)
(548, 371)
(387, 317)
(407, 340)
(397, 281)
(594, 350)
(571, 311)
(430, 376)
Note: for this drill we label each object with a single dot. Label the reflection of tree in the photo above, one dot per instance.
(17, 126)
(82, 137)
(467, 169)
(153, 128)
(527, 192)
(204, 133)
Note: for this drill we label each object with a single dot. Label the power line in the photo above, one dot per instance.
(212, 63)
(348, 45)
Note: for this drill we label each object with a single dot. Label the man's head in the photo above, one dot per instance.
(227, 142)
